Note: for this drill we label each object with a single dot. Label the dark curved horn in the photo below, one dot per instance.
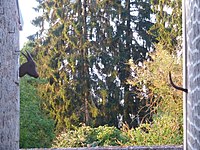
(175, 86)
(29, 56)
(24, 55)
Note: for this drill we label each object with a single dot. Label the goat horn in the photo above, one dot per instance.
(29, 56)
(175, 86)
(25, 55)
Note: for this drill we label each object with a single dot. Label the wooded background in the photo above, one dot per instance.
(103, 69)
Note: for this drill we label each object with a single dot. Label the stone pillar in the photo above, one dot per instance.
(9, 80)
(192, 30)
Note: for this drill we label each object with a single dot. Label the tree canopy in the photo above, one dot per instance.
(83, 48)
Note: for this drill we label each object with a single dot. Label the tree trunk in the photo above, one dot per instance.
(9, 81)
(192, 30)
(85, 65)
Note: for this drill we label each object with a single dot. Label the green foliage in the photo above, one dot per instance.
(36, 129)
(84, 56)
(164, 102)
(83, 60)
(86, 136)
(165, 130)
(73, 138)
(154, 76)
(168, 25)
(107, 136)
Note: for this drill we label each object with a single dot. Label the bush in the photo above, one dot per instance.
(107, 136)
(86, 136)
(161, 98)
(165, 130)
(36, 130)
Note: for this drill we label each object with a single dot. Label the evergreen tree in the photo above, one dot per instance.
(83, 57)
(168, 26)
(135, 44)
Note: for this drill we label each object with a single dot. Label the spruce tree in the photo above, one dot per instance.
(83, 58)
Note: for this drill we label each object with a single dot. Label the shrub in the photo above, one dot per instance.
(164, 101)
(107, 136)
(86, 136)
(164, 130)
(36, 129)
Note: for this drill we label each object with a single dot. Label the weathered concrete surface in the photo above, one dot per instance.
(9, 80)
(117, 148)
(192, 24)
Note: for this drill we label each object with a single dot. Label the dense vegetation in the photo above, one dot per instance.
(166, 103)
(36, 129)
(103, 69)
